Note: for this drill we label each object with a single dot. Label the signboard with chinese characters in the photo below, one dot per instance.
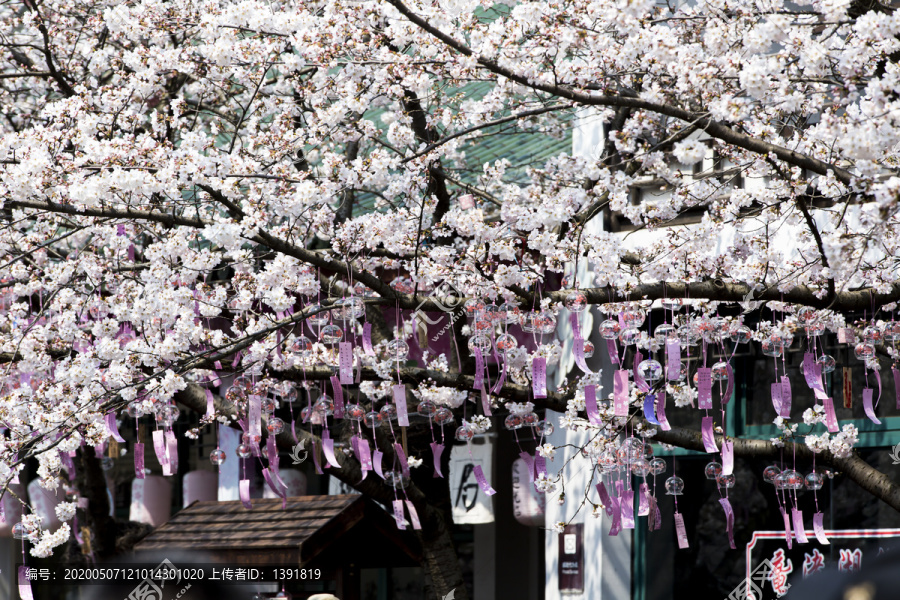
(571, 559)
(771, 564)
(471, 505)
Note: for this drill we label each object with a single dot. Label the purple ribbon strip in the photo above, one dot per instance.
(539, 377)
(673, 359)
(436, 451)
(867, 406)
(172, 451)
(799, 533)
(529, 464)
(576, 325)
(578, 350)
(604, 498)
(613, 352)
(704, 388)
(478, 382)
(483, 482)
(338, 392)
(367, 339)
(590, 404)
(254, 416)
(896, 375)
(727, 457)
(210, 405)
(812, 371)
(112, 427)
(639, 381)
(399, 391)
(787, 529)
(819, 528)
(661, 412)
(729, 387)
(680, 531)
(365, 456)
(785, 397)
(485, 403)
(138, 460)
(328, 447)
(540, 466)
(24, 584)
(413, 515)
(830, 418)
(499, 385)
(644, 500)
(345, 362)
(649, 408)
(244, 489)
(620, 392)
(376, 461)
(616, 516)
(401, 456)
(655, 520)
(709, 438)
(626, 501)
(316, 459)
(398, 514)
(776, 397)
(275, 488)
(729, 521)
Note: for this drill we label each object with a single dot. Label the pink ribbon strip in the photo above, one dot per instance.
(867, 406)
(819, 528)
(709, 438)
(620, 392)
(655, 520)
(896, 375)
(401, 457)
(244, 489)
(680, 531)
(812, 371)
(590, 404)
(729, 521)
(787, 529)
(376, 461)
(799, 533)
(478, 382)
(644, 500)
(485, 403)
(274, 487)
(367, 339)
(210, 405)
(673, 359)
(539, 377)
(578, 350)
(24, 584)
(138, 460)
(616, 516)
(626, 501)
(237, 360)
(345, 362)
(365, 456)
(316, 459)
(483, 482)
(704, 388)
(831, 421)
(529, 464)
(576, 325)
(639, 381)
(604, 498)
(254, 416)
(398, 514)
(785, 397)
(172, 451)
(400, 402)
(413, 515)
(436, 451)
(112, 427)
(328, 447)
(540, 465)
(338, 392)
(729, 387)
(499, 385)
(727, 457)
(776, 397)
(661, 412)
(613, 352)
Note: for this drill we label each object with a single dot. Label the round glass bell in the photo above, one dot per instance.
(814, 481)
(741, 334)
(650, 369)
(354, 412)
(657, 466)
(464, 434)
(244, 451)
(217, 456)
(770, 472)
(609, 329)
(543, 428)
(674, 486)
(426, 408)
(275, 426)
(576, 302)
(506, 342)
(726, 481)
(513, 422)
(443, 416)
(712, 470)
(331, 334)
(827, 362)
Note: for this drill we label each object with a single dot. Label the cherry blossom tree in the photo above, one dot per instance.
(188, 187)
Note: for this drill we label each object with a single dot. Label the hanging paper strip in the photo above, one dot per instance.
(316, 458)
(529, 464)
(819, 528)
(210, 405)
(159, 447)
(345, 362)
(650, 409)
(367, 339)
(626, 501)
(539, 377)
(639, 381)
(365, 456)
(398, 514)
(275, 487)
(616, 516)
(727, 457)
(613, 353)
(644, 500)
(785, 397)
(413, 515)
(172, 451)
(482, 481)
(540, 466)
(680, 531)
(673, 359)
(399, 391)
(138, 460)
(776, 397)
(500, 380)
(485, 403)
(604, 498)
(655, 520)
(338, 392)
(620, 393)
(478, 381)
(24, 584)
(896, 375)
(376, 462)
(831, 421)
(812, 371)
(729, 521)
(661, 412)
(709, 438)
(704, 388)
(401, 457)
(787, 529)
(590, 404)
(867, 406)
(113, 428)
(254, 416)
(799, 533)
(576, 324)
(244, 489)
(729, 386)
(578, 349)
(436, 451)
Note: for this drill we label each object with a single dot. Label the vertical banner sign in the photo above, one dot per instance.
(571, 559)
(471, 505)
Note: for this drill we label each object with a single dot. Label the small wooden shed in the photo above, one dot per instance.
(338, 534)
